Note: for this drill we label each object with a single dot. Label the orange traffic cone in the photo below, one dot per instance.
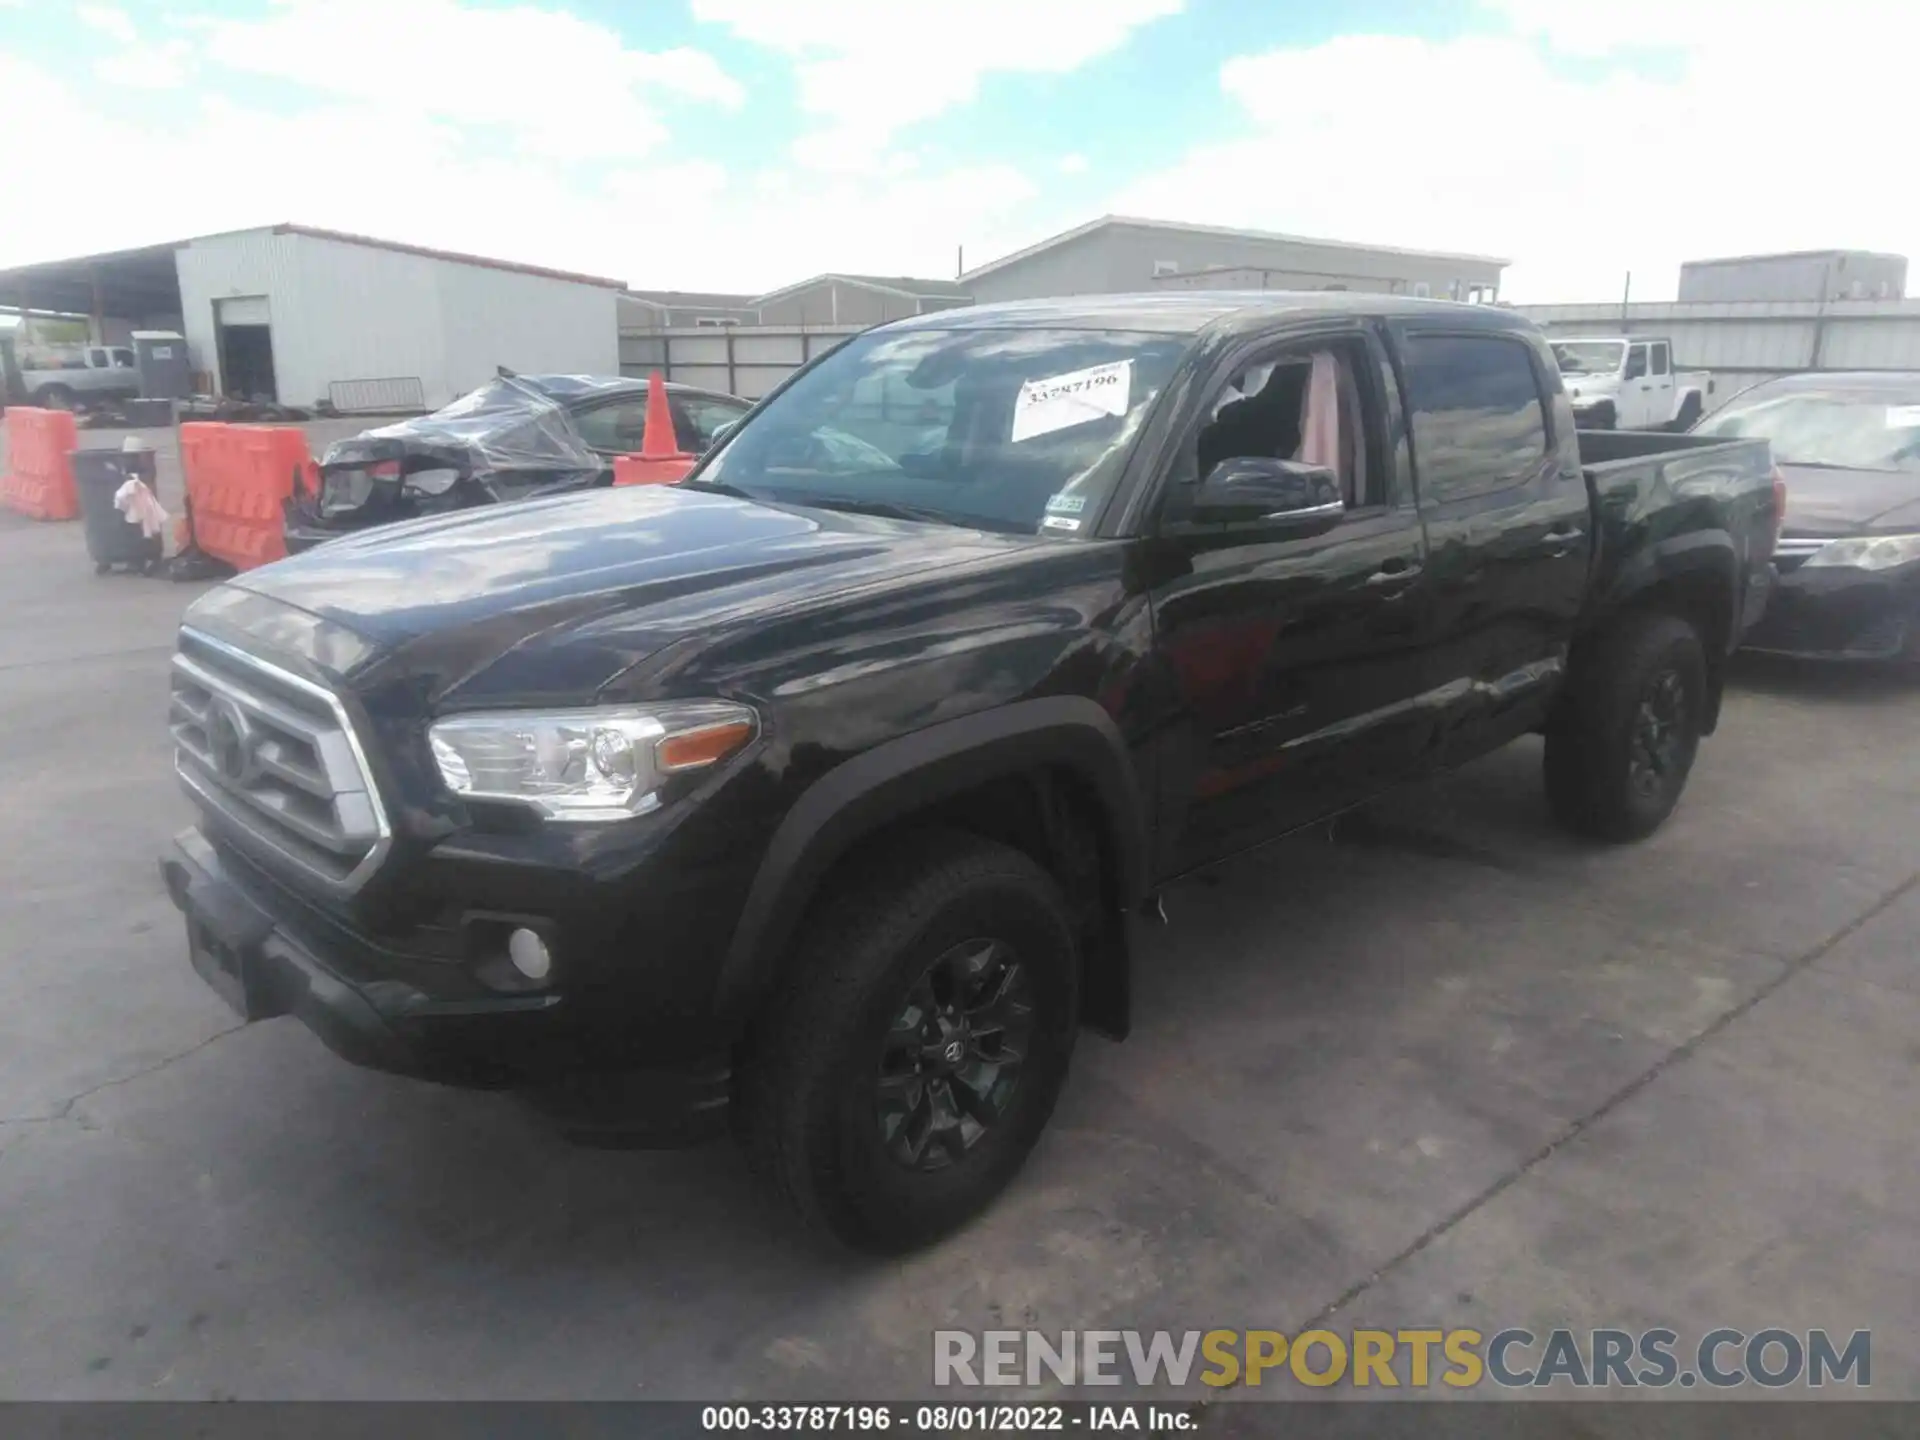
(659, 442)
(661, 461)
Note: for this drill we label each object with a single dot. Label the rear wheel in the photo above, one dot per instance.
(53, 397)
(909, 1062)
(1623, 741)
(1689, 414)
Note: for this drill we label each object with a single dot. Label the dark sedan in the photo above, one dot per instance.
(515, 437)
(1849, 551)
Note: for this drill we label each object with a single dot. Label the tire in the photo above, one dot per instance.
(831, 1102)
(1605, 417)
(53, 397)
(1608, 776)
(1689, 415)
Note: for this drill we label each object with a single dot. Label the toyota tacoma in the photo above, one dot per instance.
(817, 797)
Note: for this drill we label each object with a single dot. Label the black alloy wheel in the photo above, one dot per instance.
(1624, 733)
(1659, 740)
(908, 1061)
(950, 1062)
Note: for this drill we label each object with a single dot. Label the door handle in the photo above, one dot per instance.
(1559, 543)
(1401, 574)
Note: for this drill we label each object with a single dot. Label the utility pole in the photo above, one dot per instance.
(1625, 296)
(959, 262)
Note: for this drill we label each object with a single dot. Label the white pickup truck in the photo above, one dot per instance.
(84, 375)
(1619, 382)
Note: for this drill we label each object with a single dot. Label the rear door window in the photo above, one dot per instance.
(617, 428)
(702, 416)
(1661, 365)
(1479, 424)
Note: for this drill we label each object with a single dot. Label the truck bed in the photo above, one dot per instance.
(1652, 493)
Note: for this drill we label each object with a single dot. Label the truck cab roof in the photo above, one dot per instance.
(1608, 339)
(1189, 312)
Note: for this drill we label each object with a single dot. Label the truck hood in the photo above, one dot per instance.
(576, 589)
(1584, 386)
(1825, 501)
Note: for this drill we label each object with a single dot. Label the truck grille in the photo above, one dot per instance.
(276, 757)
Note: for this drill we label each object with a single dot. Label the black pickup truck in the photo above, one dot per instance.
(819, 794)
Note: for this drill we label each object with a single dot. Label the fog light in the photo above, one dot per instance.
(529, 954)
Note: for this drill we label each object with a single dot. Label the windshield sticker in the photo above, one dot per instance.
(1061, 401)
(1066, 503)
(1899, 417)
(1059, 522)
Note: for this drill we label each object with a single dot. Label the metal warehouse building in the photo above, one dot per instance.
(1117, 254)
(1817, 275)
(838, 299)
(305, 316)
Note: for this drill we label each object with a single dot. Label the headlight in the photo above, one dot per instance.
(1869, 552)
(586, 765)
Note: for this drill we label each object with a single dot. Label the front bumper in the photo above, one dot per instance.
(265, 966)
(1837, 612)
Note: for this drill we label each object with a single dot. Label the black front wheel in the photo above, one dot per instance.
(1623, 740)
(908, 1063)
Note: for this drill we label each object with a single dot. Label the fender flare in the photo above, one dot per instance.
(1710, 553)
(896, 778)
(1700, 552)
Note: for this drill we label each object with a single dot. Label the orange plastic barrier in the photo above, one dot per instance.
(661, 461)
(39, 479)
(239, 478)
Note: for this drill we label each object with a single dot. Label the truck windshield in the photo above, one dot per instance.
(1833, 429)
(1016, 430)
(1589, 357)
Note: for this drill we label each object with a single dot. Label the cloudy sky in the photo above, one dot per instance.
(742, 144)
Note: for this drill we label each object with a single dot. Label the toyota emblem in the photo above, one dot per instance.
(230, 742)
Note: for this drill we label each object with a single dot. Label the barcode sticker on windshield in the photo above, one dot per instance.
(1060, 401)
(1903, 417)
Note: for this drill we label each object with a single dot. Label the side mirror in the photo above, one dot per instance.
(720, 433)
(1286, 493)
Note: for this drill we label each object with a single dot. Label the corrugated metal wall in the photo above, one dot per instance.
(254, 262)
(1122, 258)
(1855, 274)
(1745, 342)
(530, 323)
(361, 314)
(342, 312)
(744, 360)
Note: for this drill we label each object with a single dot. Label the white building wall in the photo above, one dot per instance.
(341, 311)
(530, 323)
(1123, 258)
(361, 314)
(225, 267)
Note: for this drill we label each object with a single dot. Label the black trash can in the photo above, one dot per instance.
(113, 541)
